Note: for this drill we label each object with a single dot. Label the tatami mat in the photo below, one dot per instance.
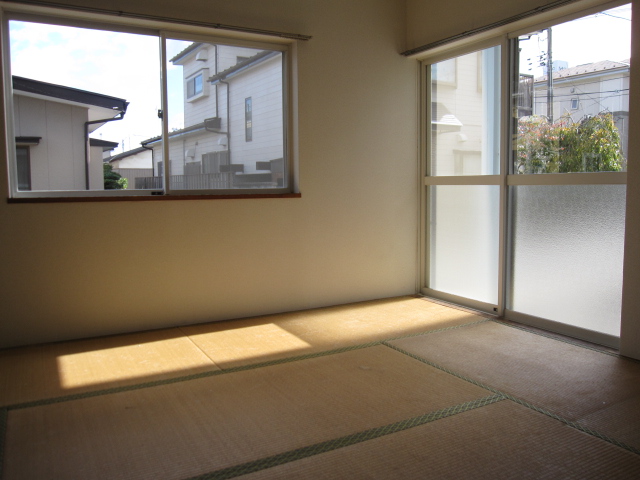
(617, 420)
(502, 440)
(354, 391)
(198, 426)
(568, 380)
(260, 339)
(45, 371)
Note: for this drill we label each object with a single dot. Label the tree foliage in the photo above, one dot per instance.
(113, 180)
(591, 145)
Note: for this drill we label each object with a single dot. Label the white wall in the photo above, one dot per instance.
(352, 236)
(58, 161)
(139, 160)
(204, 106)
(228, 55)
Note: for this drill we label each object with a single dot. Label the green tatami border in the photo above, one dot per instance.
(345, 441)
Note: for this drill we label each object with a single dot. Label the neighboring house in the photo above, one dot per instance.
(233, 120)
(107, 146)
(587, 90)
(461, 116)
(52, 126)
(136, 163)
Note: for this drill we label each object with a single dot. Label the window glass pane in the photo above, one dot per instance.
(24, 168)
(248, 119)
(197, 84)
(209, 130)
(464, 240)
(571, 95)
(465, 114)
(84, 99)
(567, 254)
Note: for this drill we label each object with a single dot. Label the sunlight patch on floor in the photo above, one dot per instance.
(129, 362)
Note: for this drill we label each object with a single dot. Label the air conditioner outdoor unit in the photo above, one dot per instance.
(213, 123)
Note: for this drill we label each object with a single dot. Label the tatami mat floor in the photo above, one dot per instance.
(388, 389)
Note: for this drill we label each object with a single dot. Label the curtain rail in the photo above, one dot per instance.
(140, 16)
(491, 26)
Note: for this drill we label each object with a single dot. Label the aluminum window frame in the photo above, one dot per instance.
(428, 180)
(162, 30)
(506, 36)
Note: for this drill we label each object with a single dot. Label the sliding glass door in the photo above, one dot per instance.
(525, 175)
(568, 184)
(463, 177)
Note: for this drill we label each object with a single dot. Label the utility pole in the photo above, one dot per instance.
(549, 78)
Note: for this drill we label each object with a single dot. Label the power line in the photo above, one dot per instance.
(577, 85)
(614, 16)
(542, 100)
(577, 94)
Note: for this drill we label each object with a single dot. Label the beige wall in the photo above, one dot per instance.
(81, 269)
(432, 20)
(352, 235)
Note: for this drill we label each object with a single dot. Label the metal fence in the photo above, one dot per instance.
(131, 174)
(203, 181)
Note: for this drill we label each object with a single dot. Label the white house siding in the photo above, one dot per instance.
(596, 93)
(96, 168)
(201, 143)
(58, 162)
(263, 83)
(133, 166)
(228, 55)
(138, 160)
(459, 152)
(195, 111)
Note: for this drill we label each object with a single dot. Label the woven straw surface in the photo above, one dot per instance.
(198, 426)
(502, 440)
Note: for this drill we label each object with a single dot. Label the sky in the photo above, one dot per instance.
(118, 64)
(603, 36)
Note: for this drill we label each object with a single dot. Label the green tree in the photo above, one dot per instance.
(113, 180)
(591, 145)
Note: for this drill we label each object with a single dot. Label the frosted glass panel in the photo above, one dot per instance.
(567, 254)
(464, 241)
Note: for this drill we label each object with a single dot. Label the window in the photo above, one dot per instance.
(194, 86)
(90, 91)
(24, 168)
(580, 93)
(248, 119)
(524, 203)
